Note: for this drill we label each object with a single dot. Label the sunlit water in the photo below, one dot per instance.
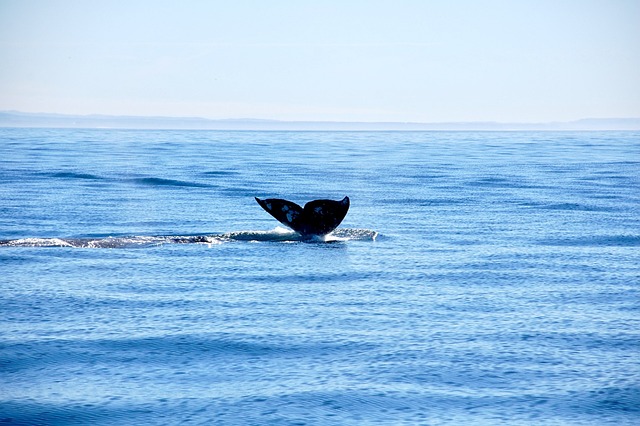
(478, 278)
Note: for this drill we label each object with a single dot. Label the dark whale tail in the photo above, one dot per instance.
(318, 217)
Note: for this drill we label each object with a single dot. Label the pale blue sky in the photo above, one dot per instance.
(427, 61)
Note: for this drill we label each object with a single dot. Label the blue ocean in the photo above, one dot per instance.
(478, 278)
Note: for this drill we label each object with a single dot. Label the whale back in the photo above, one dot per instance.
(318, 217)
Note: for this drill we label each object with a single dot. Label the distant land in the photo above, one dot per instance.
(23, 119)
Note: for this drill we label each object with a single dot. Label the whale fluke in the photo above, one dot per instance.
(318, 217)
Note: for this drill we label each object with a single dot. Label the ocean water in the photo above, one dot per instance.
(478, 278)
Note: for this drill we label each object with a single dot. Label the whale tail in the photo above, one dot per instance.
(318, 217)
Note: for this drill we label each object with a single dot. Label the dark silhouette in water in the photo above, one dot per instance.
(318, 217)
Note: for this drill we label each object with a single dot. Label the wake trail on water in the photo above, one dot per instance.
(278, 234)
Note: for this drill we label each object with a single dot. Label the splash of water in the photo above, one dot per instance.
(278, 234)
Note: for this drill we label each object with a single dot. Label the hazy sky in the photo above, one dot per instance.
(345, 60)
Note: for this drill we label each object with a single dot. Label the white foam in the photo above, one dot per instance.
(278, 234)
(39, 242)
(353, 234)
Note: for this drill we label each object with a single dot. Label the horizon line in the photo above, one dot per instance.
(16, 118)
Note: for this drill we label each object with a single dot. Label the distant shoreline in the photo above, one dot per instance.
(10, 119)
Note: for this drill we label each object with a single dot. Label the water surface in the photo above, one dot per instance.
(479, 277)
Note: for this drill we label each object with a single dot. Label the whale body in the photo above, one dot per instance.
(318, 217)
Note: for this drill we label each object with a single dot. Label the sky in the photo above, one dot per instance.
(329, 60)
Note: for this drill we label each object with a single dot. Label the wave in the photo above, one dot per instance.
(155, 181)
(143, 180)
(568, 207)
(74, 175)
(595, 241)
(275, 235)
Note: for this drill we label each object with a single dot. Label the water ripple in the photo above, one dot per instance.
(155, 181)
